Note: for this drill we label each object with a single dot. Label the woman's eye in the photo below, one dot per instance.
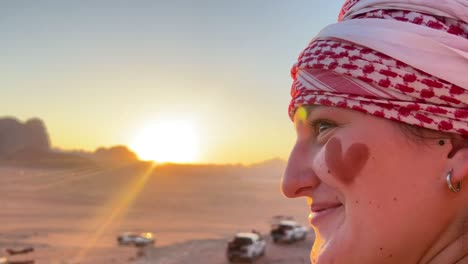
(321, 126)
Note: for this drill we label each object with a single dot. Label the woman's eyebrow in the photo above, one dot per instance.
(311, 109)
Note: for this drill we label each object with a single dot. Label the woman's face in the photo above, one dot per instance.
(374, 195)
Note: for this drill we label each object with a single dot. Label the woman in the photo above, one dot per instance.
(380, 106)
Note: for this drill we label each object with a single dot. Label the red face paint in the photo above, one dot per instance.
(345, 167)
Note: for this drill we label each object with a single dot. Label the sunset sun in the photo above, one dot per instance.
(169, 141)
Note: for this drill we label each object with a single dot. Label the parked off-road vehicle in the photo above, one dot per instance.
(288, 231)
(246, 247)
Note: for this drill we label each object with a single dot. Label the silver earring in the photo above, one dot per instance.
(450, 185)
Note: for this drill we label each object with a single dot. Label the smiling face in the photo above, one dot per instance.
(368, 187)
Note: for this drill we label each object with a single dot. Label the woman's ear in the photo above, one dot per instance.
(458, 157)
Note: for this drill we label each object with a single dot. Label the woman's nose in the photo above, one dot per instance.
(299, 178)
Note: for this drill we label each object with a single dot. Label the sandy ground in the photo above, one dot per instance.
(74, 216)
(212, 251)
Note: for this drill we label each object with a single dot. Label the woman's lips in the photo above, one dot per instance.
(319, 212)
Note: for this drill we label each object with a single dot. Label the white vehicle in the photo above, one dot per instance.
(136, 239)
(246, 246)
(288, 231)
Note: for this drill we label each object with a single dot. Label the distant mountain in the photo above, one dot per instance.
(28, 144)
(115, 154)
(16, 136)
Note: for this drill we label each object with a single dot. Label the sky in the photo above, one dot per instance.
(100, 73)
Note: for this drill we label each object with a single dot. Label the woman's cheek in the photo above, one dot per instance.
(320, 167)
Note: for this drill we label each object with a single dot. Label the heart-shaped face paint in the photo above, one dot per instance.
(345, 167)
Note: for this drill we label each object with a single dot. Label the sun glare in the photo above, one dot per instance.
(170, 141)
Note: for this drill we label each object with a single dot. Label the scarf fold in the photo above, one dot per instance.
(402, 60)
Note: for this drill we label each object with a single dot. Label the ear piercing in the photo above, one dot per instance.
(455, 189)
(441, 142)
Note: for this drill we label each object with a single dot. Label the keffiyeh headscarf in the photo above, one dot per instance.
(404, 60)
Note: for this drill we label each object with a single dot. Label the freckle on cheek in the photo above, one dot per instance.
(346, 167)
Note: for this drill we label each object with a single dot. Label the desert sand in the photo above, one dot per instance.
(74, 215)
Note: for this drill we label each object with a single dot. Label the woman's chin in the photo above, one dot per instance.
(330, 249)
(326, 254)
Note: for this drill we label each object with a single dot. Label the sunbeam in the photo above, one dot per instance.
(119, 207)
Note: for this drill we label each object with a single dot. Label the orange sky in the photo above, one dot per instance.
(101, 73)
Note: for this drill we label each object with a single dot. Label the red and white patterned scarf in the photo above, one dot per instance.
(404, 60)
